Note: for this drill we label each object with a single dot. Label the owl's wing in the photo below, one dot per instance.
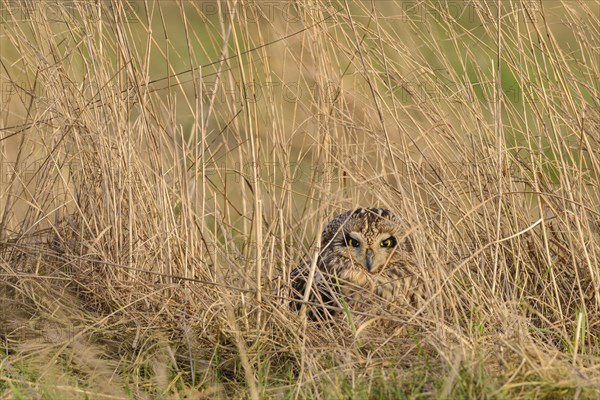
(322, 297)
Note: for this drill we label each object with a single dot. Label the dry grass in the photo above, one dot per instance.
(165, 165)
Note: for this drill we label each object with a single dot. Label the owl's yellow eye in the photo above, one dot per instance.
(352, 242)
(389, 242)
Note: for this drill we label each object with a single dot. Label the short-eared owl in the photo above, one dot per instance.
(362, 251)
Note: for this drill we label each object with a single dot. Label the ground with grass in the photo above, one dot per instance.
(167, 164)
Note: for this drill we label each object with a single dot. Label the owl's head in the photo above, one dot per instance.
(371, 237)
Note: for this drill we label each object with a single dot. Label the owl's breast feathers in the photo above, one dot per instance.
(354, 280)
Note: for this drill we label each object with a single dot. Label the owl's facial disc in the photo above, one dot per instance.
(379, 251)
(371, 254)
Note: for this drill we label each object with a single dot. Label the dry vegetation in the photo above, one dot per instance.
(165, 165)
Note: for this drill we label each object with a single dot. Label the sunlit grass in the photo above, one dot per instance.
(165, 165)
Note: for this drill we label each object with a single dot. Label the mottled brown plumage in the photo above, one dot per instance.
(362, 251)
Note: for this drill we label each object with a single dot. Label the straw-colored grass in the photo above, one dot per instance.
(166, 164)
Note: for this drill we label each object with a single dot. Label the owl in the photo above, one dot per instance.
(363, 251)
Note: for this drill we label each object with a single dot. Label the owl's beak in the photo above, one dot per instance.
(369, 260)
